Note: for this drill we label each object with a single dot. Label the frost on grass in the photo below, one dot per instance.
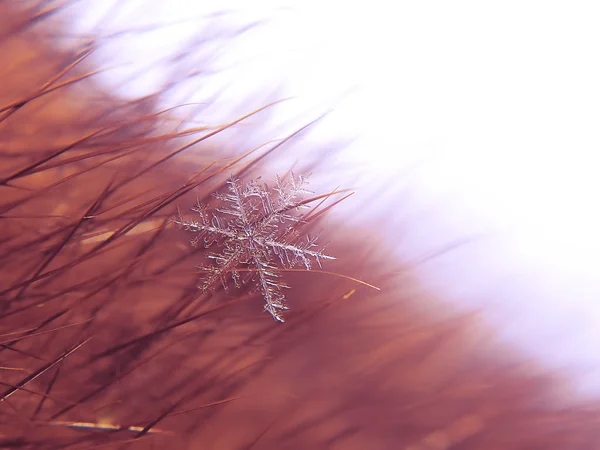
(256, 232)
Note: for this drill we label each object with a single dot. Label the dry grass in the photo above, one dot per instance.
(105, 342)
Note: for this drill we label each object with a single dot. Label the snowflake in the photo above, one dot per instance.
(256, 227)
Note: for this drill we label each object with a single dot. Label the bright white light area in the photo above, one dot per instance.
(488, 112)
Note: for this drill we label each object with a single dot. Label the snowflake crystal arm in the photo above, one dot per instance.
(254, 225)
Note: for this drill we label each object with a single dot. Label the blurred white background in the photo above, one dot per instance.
(471, 119)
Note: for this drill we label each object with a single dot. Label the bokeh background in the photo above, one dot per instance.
(466, 125)
(452, 125)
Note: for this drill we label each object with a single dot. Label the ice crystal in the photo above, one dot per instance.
(256, 230)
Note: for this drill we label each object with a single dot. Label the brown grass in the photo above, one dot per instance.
(95, 280)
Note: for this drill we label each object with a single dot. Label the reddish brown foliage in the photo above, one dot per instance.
(101, 321)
